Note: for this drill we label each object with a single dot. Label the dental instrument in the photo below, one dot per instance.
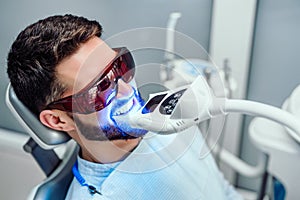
(176, 110)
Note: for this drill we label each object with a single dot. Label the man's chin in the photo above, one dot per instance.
(123, 132)
(126, 135)
(120, 137)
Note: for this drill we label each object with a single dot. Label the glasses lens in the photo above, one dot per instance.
(126, 67)
(98, 93)
(103, 84)
(99, 103)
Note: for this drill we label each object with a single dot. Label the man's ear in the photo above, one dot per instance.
(57, 120)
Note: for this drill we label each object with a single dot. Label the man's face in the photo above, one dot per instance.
(79, 70)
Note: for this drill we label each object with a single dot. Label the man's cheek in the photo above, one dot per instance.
(104, 116)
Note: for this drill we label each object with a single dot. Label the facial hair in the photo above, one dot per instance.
(114, 131)
(107, 132)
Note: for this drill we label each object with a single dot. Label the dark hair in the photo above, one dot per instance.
(37, 51)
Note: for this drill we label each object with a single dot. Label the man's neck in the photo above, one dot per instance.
(107, 151)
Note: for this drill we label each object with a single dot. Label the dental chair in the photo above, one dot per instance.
(272, 139)
(54, 152)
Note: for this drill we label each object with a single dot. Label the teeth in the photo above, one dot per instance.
(125, 108)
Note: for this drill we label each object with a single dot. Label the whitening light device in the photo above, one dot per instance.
(175, 110)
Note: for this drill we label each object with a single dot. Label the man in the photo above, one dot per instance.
(73, 81)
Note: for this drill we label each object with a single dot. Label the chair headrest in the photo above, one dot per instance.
(47, 138)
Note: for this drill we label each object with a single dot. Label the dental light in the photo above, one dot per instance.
(176, 110)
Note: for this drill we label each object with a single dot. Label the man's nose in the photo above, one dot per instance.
(123, 89)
